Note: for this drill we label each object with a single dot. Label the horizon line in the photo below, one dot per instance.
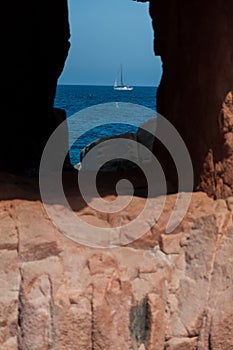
(73, 84)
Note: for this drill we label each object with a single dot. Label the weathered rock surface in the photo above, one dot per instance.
(164, 291)
(194, 42)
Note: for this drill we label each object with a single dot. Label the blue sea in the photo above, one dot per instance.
(77, 98)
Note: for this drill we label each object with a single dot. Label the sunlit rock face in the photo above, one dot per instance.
(194, 40)
(163, 291)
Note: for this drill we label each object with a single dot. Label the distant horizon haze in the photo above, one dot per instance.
(70, 84)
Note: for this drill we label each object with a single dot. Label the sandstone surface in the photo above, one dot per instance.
(163, 291)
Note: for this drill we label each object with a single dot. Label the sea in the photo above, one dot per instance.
(75, 99)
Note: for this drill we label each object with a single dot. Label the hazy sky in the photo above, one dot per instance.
(106, 33)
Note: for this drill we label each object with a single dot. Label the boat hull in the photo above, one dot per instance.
(123, 88)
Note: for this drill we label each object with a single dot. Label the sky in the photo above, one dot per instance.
(106, 34)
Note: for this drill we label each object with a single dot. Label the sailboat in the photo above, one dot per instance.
(121, 86)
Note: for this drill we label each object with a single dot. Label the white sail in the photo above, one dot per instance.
(121, 86)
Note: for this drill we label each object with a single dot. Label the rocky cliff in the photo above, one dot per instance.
(194, 40)
(164, 291)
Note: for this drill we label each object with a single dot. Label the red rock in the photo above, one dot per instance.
(174, 293)
(38, 238)
(9, 294)
(170, 243)
(8, 231)
(182, 344)
(195, 93)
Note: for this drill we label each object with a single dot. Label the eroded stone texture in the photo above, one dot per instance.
(9, 292)
(181, 344)
(174, 294)
(216, 176)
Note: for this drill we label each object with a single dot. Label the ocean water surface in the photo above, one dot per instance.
(76, 98)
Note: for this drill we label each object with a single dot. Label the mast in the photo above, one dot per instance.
(119, 83)
(122, 84)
